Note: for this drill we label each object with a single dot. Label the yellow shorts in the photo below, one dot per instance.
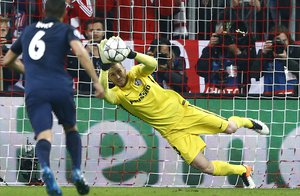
(184, 137)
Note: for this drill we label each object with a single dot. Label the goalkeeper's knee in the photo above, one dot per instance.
(232, 126)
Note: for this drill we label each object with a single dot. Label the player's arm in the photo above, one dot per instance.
(109, 95)
(11, 57)
(148, 63)
(12, 61)
(87, 64)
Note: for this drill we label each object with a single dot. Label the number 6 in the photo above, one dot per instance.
(37, 46)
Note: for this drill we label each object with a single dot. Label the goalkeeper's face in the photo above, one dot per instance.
(117, 74)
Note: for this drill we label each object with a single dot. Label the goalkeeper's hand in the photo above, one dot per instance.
(105, 62)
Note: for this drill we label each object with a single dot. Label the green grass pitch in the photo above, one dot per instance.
(151, 191)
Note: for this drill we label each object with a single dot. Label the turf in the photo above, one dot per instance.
(146, 191)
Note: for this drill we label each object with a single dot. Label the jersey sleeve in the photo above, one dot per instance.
(73, 34)
(17, 46)
(147, 64)
(110, 95)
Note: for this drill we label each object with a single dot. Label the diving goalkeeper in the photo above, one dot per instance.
(178, 121)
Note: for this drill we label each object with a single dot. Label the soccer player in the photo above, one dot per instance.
(48, 87)
(179, 122)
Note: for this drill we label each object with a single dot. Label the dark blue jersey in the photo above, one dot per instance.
(44, 46)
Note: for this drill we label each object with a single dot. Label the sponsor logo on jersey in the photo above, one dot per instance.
(142, 95)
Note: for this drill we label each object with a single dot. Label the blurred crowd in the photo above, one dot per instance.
(229, 64)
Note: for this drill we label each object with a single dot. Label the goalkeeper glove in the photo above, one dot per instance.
(101, 52)
(106, 64)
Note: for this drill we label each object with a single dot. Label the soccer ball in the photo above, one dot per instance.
(115, 49)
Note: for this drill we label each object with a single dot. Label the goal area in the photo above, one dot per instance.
(121, 150)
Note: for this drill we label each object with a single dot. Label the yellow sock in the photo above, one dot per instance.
(222, 168)
(241, 122)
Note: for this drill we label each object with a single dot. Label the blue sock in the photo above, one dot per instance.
(42, 149)
(73, 142)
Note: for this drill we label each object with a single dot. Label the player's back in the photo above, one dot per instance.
(44, 46)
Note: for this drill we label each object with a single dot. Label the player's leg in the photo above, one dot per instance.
(190, 148)
(222, 168)
(74, 147)
(40, 115)
(64, 110)
(236, 122)
(43, 147)
(201, 121)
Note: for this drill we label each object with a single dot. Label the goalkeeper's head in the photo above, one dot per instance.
(55, 9)
(117, 74)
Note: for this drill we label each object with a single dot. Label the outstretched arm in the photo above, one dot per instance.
(149, 63)
(109, 95)
(12, 61)
(87, 64)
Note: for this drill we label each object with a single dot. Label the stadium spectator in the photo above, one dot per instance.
(10, 77)
(245, 11)
(145, 19)
(7, 9)
(279, 63)
(297, 22)
(48, 89)
(94, 33)
(225, 61)
(171, 66)
(172, 19)
(179, 122)
(208, 15)
(213, 12)
(26, 12)
(77, 11)
(105, 9)
(280, 12)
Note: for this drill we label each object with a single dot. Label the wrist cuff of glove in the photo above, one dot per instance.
(105, 66)
(132, 54)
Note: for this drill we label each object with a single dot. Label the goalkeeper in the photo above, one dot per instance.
(179, 122)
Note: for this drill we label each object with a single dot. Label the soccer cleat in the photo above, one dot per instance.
(79, 182)
(51, 185)
(247, 179)
(259, 127)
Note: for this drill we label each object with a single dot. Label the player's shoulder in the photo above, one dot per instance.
(64, 26)
(72, 30)
(30, 27)
(135, 71)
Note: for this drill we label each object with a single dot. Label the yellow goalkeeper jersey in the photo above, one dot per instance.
(146, 99)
